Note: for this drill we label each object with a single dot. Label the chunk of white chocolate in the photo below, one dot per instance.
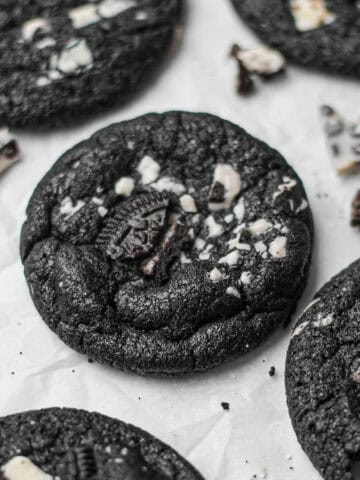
(111, 8)
(73, 57)
(22, 468)
(261, 60)
(149, 170)
(9, 150)
(188, 204)
(277, 247)
(84, 15)
(310, 14)
(229, 178)
(124, 186)
(32, 26)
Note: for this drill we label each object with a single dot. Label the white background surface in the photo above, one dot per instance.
(186, 412)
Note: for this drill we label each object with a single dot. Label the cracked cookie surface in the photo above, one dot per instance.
(64, 59)
(69, 444)
(167, 244)
(322, 34)
(323, 376)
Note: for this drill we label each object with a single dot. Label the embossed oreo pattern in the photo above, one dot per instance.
(323, 34)
(61, 59)
(220, 269)
(68, 444)
(323, 376)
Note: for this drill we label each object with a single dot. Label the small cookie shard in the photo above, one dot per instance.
(9, 150)
(310, 14)
(170, 249)
(355, 212)
(262, 61)
(343, 139)
(22, 468)
(135, 228)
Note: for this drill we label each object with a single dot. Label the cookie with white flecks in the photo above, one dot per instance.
(323, 376)
(322, 34)
(61, 59)
(68, 444)
(167, 244)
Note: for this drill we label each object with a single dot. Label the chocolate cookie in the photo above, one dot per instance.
(324, 34)
(167, 244)
(68, 444)
(323, 376)
(64, 58)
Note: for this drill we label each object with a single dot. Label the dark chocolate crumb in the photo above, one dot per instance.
(272, 371)
(355, 212)
(225, 405)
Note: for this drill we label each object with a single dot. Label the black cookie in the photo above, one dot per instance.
(323, 376)
(324, 34)
(70, 444)
(168, 243)
(64, 58)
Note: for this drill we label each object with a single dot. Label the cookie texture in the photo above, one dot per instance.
(323, 34)
(323, 376)
(167, 244)
(69, 444)
(64, 59)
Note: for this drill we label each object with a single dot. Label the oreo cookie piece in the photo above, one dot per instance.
(64, 58)
(323, 376)
(68, 444)
(167, 244)
(323, 34)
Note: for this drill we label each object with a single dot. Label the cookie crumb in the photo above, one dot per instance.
(225, 405)
(272, 371)
(355, 212)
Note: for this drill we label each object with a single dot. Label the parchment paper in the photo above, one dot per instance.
(255, 436)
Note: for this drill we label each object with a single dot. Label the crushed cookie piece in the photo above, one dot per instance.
(355, 212)
(135, 228)
(170, 248)
(262, 61)
(9, 150)
(225, 405)
(272, 371)
(343, 140)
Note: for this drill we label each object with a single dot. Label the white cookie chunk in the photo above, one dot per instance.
(9, 150)
(324, 321)
(214, 228)
(188, 204)
(300, 328)
(287, 186)
(262, 60)
(73, 57)
(233, 291)
(124, 186)
(170, 185)
(245, 278)
(84, 15)
(32, 26)
(22, 468)
(68, 208)
(343, 140)
(310, 14)
(259, 227)
(239, 210)
(230, 259)
(215, 275)
(261, 248)
(149, 170)
(277, 247)
(229, 180)
(111, 8)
